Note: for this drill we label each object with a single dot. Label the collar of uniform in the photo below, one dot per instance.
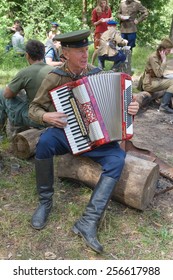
(73, 75)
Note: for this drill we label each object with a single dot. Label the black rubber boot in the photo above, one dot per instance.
(86, 226)
(3, 114)
(166, 99)
(44, 180)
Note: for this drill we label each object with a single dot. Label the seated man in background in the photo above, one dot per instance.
(18, 42)
(109, 42)
(14, 106)
(12, 30)
(52, 52)
(153, 79)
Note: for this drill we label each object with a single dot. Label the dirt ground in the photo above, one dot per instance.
(153, 130)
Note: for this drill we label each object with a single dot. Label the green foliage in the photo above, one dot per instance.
(36, 16)
(157, 25)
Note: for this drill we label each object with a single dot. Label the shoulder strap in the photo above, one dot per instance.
(60, 72)
(56, 55)
(94, 71)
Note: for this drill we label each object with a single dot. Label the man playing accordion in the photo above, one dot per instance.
(53, 142)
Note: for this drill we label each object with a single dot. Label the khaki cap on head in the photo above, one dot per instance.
(75, 39)
(166, 43)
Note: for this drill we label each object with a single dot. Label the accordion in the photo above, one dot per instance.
(97, 109)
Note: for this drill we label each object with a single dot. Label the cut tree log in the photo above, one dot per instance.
(136, 187)
(24, 143)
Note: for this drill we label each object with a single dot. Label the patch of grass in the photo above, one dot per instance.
(10, 65)
(139, 58)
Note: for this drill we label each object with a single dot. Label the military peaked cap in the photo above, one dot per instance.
(75, 39)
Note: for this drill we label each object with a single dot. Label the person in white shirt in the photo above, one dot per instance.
(18, 42)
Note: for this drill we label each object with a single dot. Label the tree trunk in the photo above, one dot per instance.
(84, 12)
(171, 30)
(24, 143)
(137, 184)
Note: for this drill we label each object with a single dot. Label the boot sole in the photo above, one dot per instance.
(37, 228)
(76, 231)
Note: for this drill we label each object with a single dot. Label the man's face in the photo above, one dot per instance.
(167, 51)
(57, 44)
(77, 58)
(54, 27)
(17, 24)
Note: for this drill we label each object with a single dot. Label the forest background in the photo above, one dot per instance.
(36, 15)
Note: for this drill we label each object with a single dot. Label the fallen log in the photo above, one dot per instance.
(137, 184)
(136, 187)
(24, 143)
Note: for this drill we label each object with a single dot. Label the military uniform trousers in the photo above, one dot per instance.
(159, 84)
(120, 57)
(110, 156)
(16, 110)
(131, 38)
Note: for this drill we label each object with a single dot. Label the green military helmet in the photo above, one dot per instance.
(74, 39)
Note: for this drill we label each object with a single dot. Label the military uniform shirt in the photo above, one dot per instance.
(42, 102)
(110, 34)
(132, 10)
(30, 79)
(153, 71)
